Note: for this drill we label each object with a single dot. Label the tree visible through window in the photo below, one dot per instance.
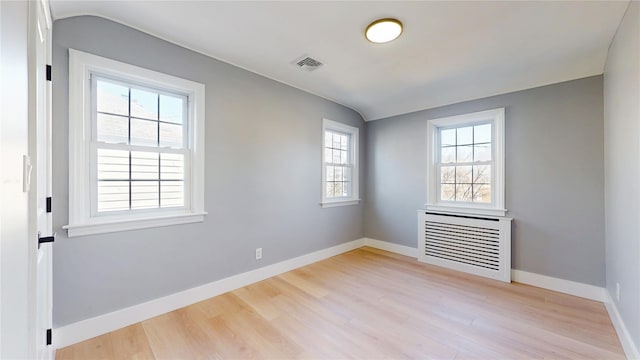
(465, 163)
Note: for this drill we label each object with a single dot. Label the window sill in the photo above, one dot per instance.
(466, 210)
(112, 225)
(328, 204)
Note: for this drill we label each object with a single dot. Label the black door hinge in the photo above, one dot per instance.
(48, 72)
(46, 239)
(49, 337)
(49, 204)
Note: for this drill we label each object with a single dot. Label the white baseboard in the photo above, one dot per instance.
(546, 282)
(629, 347)
(89, 328)
(391, 247)
(550, 283)
(586, 291)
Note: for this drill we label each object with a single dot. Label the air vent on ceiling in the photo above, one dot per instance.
(307, 63)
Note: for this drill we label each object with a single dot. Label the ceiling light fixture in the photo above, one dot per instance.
(383, 30)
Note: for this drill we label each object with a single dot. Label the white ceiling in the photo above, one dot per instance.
(449, 51)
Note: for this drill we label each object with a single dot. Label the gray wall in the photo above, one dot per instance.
(622, 169)
(263, 142)
(554, 176)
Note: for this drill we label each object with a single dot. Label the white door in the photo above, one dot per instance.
(40, 27)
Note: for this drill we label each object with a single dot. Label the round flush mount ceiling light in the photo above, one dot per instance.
(383, 30)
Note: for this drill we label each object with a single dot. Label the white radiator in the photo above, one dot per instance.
(476, 245)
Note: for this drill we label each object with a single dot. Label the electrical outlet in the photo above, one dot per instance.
(258, 253)
(617, 291)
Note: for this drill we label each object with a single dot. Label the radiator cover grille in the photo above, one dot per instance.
(480, 246)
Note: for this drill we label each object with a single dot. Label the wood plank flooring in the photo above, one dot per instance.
(369, 304)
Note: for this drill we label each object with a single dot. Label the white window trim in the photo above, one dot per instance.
(354, 199)
(497, 206)
(81, 223)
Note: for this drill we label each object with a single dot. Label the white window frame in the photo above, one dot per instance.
(83, 220)
(353, 132)
(497, 206)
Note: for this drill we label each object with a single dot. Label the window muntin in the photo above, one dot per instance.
(139, 147)
(339, 164)
(465, 163)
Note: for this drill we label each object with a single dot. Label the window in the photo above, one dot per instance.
(136, 147)
(466, 163)
(139, 145)
(339, 164)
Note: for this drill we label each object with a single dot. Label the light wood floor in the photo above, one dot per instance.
(370, 304)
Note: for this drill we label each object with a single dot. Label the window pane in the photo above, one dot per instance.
(482, 174)
(448, 192)
(328, 139)
(330, 173)
(463, 192)
(112, 98)
(172, 109)
(171, 135)
(482, 193)
(144, 166)
(448, 175)
(144, 104)
(337, 189)
(113, 195)
(465, 135)
(346, 188)
(112, 129)
(465, 153)
(482, 152)
(144, 195)
(344, 142)
(172, 185)
(331, 189)
(448, 155)
(113, 164)
(463, 174)
(338, 171)
(328, 155)
(482, 133)
(344, 157)
(172, 193)
(346, 174)
(336, 156)
(172, 166)
(448, 137)
(144, 132)
(336, 141)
